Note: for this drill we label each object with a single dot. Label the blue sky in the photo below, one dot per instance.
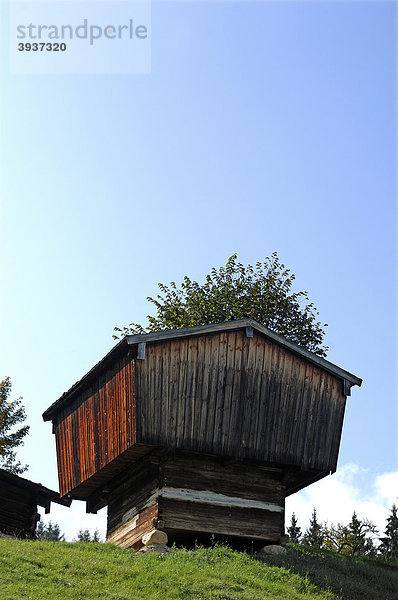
(262, 126)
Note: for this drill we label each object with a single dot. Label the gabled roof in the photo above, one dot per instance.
(43, 496)
(131, 341)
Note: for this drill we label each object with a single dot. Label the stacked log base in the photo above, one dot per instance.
(198, 498)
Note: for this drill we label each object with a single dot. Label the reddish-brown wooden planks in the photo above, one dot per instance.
(97, 427)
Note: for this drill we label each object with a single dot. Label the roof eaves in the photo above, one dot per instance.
(42, 493)
(238, 324)
(169, 334)
(62, 400)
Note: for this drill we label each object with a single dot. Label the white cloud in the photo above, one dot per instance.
(337, 496)
(387, 486)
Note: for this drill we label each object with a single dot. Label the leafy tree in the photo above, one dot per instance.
(354, 539)
(314, 536)
(11, 414)
(50, 532)
(84, 535)
(262, 292)
(336, 538)
(389, 544)
(359, 541)
(294, 531)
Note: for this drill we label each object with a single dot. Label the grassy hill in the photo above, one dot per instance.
(349, 578)
(61, 571)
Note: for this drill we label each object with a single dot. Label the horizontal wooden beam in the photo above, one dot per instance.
(207, 497)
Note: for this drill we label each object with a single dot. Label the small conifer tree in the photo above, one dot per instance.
(84, 535)
(50, 532)
(359, 541)
(314, 535)
(294, 531)
(389, 544)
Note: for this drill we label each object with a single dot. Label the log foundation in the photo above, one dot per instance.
(198, 499)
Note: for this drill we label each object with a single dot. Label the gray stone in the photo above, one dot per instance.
(272, 550)
(159, 548)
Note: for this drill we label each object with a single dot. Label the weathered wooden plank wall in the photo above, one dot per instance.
(234, 522)
(243, 397)
(197, 495)
(135, 494)
(97, 426)
(130, 533)
(18, 511)
(221, 393)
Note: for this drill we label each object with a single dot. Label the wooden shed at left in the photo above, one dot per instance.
(19, 499)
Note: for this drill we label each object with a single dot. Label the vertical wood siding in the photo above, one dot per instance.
(243, 397)
(97, 426)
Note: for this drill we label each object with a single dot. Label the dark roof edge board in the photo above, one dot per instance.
(111, 355)
(134, 340)
(238, 324)
(42, 493)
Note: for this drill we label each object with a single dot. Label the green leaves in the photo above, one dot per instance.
(234, 291)
(354, 539)
(11, 414)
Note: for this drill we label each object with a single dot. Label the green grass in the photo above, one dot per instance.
(61, 571)
(349, 578)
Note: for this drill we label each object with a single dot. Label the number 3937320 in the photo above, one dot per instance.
(41, 47)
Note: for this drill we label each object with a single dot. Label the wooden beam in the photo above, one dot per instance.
(157, 336)
(239, 324)
(207, 497)
(90, 508)
(346, 388)
(141, 351)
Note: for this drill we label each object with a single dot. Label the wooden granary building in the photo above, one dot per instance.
(19, 499)
(201, 431)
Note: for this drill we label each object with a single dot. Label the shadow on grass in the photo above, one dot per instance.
(349, 578)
